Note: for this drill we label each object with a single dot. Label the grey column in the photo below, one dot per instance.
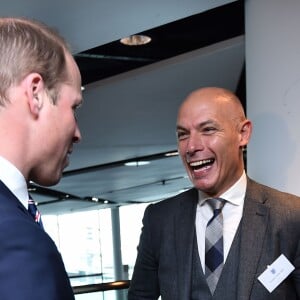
(116, 238)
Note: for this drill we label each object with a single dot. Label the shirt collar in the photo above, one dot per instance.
(235, 194)
(14, 180)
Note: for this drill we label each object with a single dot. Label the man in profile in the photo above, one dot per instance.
(40, 90)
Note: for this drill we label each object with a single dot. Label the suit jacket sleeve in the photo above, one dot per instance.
(163, 265)
(296, 262)
(31, 268)
(270, 227)
(144, 283)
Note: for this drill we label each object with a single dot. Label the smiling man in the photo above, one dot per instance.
(211, 135)
(40, 90)
(217, 240)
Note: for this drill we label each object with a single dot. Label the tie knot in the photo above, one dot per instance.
(216, 203)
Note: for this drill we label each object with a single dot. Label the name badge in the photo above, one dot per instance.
(280, 269)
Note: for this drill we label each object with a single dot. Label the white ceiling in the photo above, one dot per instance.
(86, 24)
(132, 114)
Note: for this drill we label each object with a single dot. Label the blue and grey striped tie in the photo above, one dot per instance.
(214, 258)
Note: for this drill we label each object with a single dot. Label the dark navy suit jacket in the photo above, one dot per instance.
(31, 268)
(270, 226)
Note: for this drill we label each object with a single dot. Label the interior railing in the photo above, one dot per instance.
(101, 287)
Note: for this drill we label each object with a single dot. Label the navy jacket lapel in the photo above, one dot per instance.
(185, 233)
(254, 224)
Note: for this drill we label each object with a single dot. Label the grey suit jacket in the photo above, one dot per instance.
(270, 227)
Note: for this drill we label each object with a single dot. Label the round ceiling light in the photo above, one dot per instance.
(136, 40)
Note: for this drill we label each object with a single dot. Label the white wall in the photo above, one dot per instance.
(273, 91)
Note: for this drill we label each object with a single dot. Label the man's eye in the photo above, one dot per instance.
(75, 109)
(209, 129)
(181, 135)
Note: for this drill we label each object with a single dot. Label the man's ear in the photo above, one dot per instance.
(245, 132)
(35, 89)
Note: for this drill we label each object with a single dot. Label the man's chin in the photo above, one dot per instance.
(50, 180)
(203, 185)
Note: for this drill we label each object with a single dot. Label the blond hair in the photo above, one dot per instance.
(28, 46)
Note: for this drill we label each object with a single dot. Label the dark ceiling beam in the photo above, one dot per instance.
(162, 155)
(169, 40)
(114, 57)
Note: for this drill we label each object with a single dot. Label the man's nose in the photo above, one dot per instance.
(195, 143)
(77, 136)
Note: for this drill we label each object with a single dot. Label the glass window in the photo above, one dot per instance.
(85, 242)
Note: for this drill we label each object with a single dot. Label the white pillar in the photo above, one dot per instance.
(273, 91)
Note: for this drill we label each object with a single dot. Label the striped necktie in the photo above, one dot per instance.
(34, 212)
(214, 259)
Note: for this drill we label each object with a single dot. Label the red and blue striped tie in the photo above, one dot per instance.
(34, 212)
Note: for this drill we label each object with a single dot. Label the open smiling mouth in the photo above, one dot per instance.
(201, 164)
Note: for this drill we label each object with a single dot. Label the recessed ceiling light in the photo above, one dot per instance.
(137, 163)
(175, 153)
(135, 40)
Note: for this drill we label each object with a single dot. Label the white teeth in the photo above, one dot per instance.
(200, 163)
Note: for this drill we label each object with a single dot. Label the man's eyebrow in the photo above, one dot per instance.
(204, 123)
(207, 122)
(179, 127)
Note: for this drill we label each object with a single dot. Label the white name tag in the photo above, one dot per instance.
(276, 273)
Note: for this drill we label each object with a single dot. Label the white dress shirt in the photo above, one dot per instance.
(14, 180)
(232, 215)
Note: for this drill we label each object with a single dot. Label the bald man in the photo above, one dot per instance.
(190, 250)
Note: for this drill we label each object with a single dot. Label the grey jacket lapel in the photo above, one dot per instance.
(185, 233)
(254, 224)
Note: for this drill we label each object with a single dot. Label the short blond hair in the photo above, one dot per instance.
(28, 46)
